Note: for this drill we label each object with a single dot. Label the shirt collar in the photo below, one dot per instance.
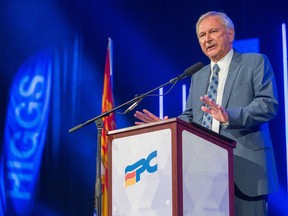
(224, 62)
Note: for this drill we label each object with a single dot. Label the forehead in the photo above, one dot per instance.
(210, 22)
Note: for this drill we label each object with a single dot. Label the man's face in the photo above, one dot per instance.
(214, 39)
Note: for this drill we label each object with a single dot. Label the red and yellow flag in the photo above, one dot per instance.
(109, 124)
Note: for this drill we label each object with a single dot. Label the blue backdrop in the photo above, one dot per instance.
(154, 41)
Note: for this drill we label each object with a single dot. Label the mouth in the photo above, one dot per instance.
(211, 47)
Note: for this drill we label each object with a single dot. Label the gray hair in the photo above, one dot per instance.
(227, 22)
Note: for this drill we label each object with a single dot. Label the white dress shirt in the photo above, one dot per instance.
(223, 64)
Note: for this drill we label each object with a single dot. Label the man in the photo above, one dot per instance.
(245, 101)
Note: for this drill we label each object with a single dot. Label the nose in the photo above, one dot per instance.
(208, 38)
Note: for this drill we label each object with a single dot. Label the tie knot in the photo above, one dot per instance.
(216, 68)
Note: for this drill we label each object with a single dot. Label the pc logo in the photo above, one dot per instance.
(133, 172)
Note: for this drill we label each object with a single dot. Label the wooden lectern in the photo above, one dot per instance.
(170, 167)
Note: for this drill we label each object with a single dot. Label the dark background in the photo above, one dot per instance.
(153, 41)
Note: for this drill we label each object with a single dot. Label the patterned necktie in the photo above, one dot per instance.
(212, 94)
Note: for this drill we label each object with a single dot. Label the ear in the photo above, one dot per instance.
(231, 33)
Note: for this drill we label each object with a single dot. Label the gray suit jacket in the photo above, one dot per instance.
(250, 98)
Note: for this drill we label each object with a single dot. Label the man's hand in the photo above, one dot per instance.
(215, 110)
(146, 117)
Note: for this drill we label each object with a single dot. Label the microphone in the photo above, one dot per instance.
(130, 108)
(190, 71)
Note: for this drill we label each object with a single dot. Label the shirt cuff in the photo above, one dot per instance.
(226, 124)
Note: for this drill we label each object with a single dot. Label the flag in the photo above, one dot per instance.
(109, 123)
(25, 134)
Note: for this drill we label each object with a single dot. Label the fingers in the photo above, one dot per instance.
(210, 105)
(146, 117)
(140, 116)
(206, 109)
(209, 102)
(150, 116)
(166, 117)
(215, 110)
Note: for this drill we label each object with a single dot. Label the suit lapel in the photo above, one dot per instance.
(200, 83)
(232, 74)
(203, 81)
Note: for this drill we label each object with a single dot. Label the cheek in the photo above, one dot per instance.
(202, 45)
(223, 41)
(203, 50)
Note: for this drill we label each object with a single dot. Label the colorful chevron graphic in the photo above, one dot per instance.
(133, 172)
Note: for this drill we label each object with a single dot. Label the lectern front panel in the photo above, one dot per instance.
(141, 174)
(205, 177)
